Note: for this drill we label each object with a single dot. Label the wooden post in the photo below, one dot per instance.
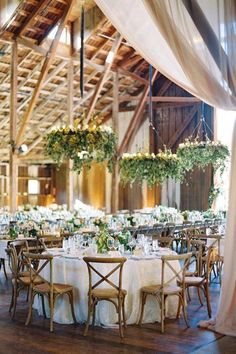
(13, 167)
(115, 173)
(69, 172)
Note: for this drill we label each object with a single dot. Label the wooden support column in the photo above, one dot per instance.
(115, 122)
(69, 172)
(13, 170)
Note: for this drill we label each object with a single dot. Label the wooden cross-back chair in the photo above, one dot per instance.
(49, 288)
(196, 247)
(168, 287)
(20, 277)
(114, 293)
(217, 259)
(201, 282)
(50, 242)
(163, 241)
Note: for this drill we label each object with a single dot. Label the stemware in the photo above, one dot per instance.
(132, 244)
(110, 243)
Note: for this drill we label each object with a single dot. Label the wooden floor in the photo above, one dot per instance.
(68, 339)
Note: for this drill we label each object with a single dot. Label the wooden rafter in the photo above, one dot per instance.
(131, 74)
(102, 79)
(175, 99)
(30, 17)
(45, 68)
(135, 119)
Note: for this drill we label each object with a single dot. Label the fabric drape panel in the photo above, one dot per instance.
(6, 9)
(226, 317)
(211, 81)
(165, 34)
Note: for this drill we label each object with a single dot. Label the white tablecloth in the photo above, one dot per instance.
(136, 274)
(3, 246)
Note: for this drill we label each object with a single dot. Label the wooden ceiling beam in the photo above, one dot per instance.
(30, 18)
(131, 74)
(102, 79)
(135, 119)
(44, 72)
(174, 99)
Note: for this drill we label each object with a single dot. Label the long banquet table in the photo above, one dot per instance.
(138, 272)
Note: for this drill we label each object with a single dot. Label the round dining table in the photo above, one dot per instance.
(138, 271)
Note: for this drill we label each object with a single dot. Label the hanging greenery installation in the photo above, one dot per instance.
(202, 153)
(83, 145)
(154, 169)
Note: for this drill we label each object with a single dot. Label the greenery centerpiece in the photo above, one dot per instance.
(202, 153)
(154, 169)
(82, 144)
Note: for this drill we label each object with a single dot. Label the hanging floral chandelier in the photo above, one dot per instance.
(83, 145)
(202, 153)
(154, 169)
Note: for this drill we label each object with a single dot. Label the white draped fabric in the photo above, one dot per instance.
(163, 32)
(226, 318)
(136, 274)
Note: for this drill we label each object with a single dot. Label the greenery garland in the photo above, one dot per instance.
(202, 153)
(154, 169)
(82, 145)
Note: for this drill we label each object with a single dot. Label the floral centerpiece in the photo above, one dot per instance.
(83, 145)
(150, 167)
(202, 153)
(30, 229)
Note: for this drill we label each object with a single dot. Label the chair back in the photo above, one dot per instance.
(169, 229)
(209, 260)
(42, 260)
(178, 273)
(163, 241)
(49, 242)
(196, 247)
(15, 251)
(105, 278)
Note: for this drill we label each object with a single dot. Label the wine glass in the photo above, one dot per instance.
(132, 244)
(110, 243)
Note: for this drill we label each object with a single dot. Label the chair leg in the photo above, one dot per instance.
(179, 308)
(14, 301)
(71, 299)
(199, 295)
(208, 300)
(4, 268)
(43, 306)
(188, 293)
(88, 317)
(162, 305)
(120, 317)
(27, 296)
(143, 301)
(12, 298)
(123, 312)
(94, 313)
(52, 303)
(31, 300)
(184, 309)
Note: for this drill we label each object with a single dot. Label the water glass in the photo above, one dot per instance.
(155, 246)
(121, 249)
